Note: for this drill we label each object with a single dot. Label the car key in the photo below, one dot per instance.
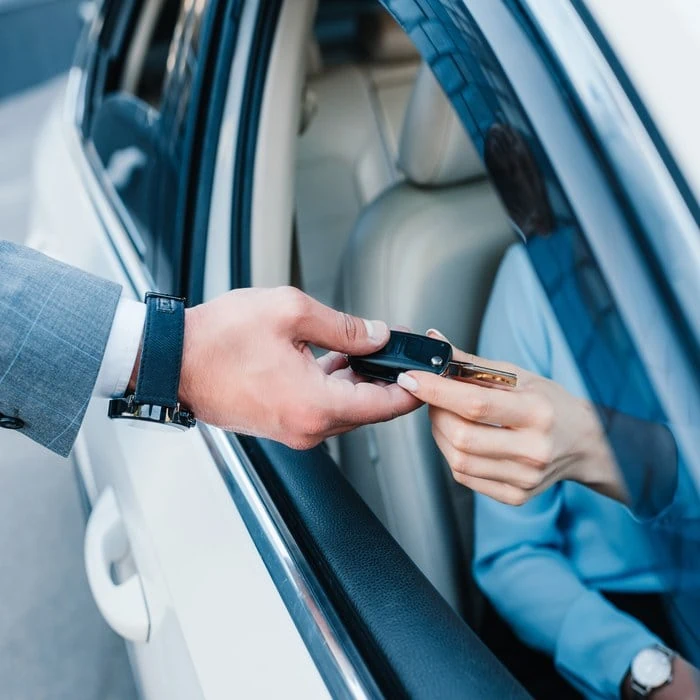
(407, 351)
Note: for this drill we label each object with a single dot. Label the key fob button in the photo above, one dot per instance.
(404, 352)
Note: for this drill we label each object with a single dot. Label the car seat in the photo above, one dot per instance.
(347, 150)
(423, 254)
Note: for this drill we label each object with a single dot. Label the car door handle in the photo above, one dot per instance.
(122, 605)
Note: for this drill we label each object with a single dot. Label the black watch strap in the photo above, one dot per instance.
(158, 379)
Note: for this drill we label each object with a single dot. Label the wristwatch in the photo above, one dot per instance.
(155, 399)
(651, 669)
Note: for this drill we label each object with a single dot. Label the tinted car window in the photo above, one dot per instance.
(567, 276)
(138, 122)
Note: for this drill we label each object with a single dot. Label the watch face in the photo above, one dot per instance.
(651, 668)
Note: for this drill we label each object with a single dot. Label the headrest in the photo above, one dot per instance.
(434, 149)
(384, 41)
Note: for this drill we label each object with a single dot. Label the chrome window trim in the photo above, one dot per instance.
(637, 164)
(334, 654)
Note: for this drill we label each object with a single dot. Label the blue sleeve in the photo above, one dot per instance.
(662, 493)
(519, 559)
(681, 515)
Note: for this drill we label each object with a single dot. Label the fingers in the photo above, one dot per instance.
(332, 362)
(353, 404)
(347, 375)
(519, 475)
(471, 401)
(332, 405)
(491, 441)
(336, 400)
(499, 491)
(509, 492)
(313, 322)
(530, 447)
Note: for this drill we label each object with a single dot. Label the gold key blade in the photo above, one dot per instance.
(488, 375)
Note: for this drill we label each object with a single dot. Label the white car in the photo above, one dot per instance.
(338, 146)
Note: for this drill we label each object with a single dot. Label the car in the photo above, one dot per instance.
(339, 147)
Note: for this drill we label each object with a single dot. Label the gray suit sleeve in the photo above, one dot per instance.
(54, 326)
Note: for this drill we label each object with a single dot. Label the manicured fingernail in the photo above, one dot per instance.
(433, 331)
(407, 382)
(376, 330)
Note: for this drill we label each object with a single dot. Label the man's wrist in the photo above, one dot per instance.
(185, 369)
(122, 349)
(131, 386)
(188, 356)
(683, 684)
(154, 382)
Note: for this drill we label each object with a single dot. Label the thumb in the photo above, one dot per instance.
(335, 330)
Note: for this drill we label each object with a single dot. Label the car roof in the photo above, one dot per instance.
(658, 46)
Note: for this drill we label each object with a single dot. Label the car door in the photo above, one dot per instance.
(187, 553)
(170, 559)
(392, 641)
(249, 568)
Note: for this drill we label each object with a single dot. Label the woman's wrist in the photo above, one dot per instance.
(685, 684)
(597, 468)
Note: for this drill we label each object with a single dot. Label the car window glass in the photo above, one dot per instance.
(138, 123)
(570, 542)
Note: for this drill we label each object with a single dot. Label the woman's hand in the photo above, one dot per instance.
(512, 444)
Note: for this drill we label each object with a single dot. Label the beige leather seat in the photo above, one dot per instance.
(423, 254)
(347, 153)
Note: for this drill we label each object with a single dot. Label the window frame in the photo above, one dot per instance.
(641, 173)
(267, 14)
(632, 147)
(216, 40)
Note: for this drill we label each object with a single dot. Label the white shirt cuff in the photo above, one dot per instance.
(121, 350)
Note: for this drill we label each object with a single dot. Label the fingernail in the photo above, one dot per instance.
(377, 331)
(433, 331)
(407, 382)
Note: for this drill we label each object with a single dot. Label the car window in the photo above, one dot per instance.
(138, 122)
(558, 310)
(611, 559)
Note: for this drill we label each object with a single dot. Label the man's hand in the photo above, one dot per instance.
(247, 367)
(512, 444)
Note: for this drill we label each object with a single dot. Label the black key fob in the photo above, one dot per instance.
(404, 352)
(407, 351)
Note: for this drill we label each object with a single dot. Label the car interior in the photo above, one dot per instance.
(392, 217)
(382, 208)
(348, 174)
